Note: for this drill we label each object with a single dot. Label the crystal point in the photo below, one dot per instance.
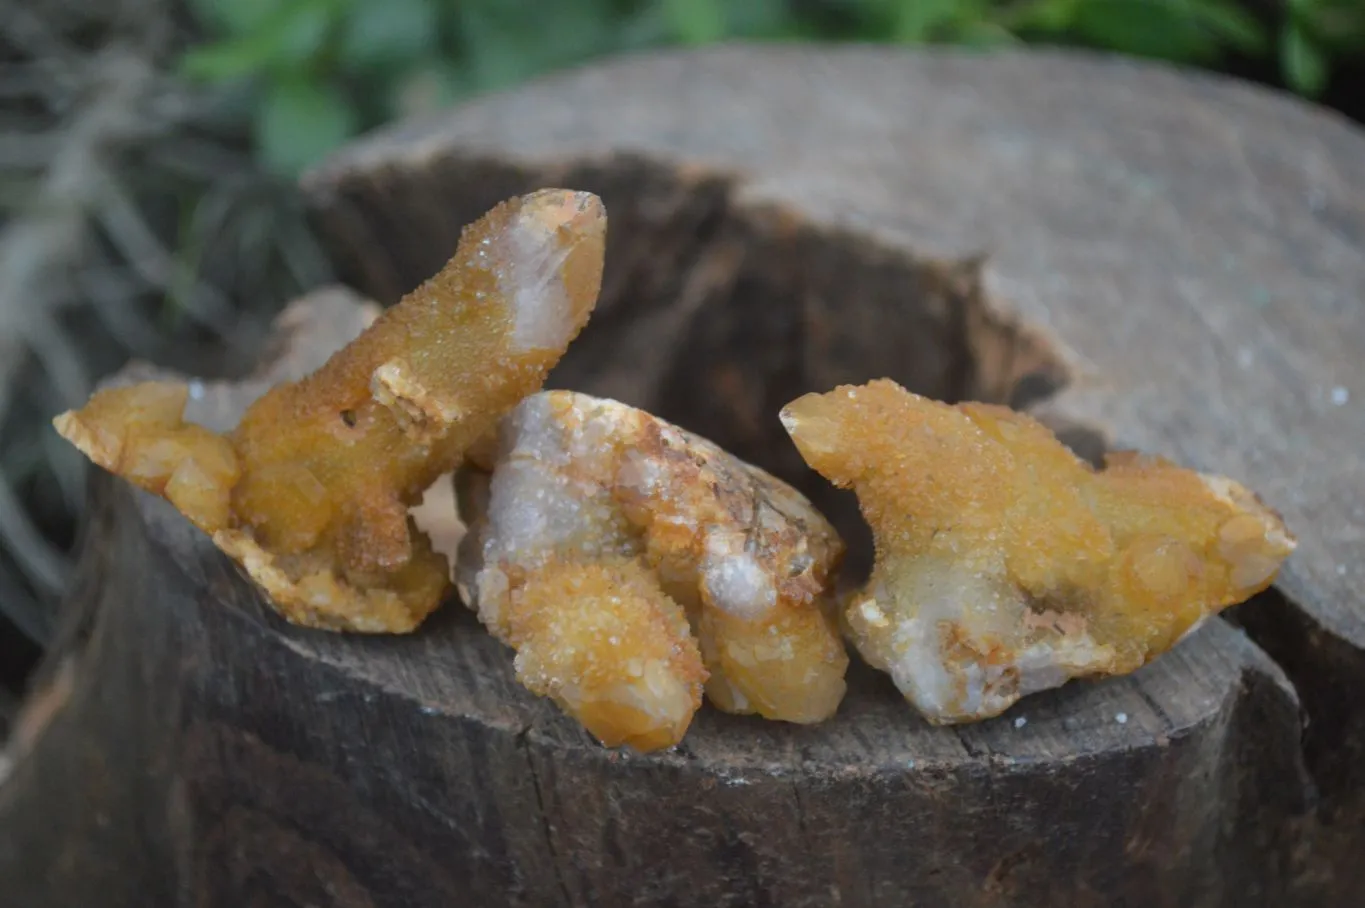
(310, 492)
(728, 567)
(1005, 564)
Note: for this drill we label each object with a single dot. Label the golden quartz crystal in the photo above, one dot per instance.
(310, 493)
(1006, 565)
(632, 565)
(628, 561)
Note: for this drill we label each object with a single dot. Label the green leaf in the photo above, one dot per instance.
(297, 37)
(918, 21)
(984, 35)
(1230, 22)
(1302, 62)
(289, 40)
(234, 17)
(1338, 25)
(695, 21)
(223, 62)
(494, 56)
(499, 48)
(1148, 28)
(381, 33)
(299, 121)
(1040, 16)
(759, 18)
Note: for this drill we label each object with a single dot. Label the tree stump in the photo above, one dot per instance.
(1144, 257)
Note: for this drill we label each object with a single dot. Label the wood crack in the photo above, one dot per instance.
(523, 744)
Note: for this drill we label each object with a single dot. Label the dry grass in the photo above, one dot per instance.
(133, 224)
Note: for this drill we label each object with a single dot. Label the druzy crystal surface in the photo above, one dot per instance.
(311, 492)
(630, 563)
(1007, 565)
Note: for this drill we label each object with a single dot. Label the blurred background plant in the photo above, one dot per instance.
(325, 69)
(149, 146)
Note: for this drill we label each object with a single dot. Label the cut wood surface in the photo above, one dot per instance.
(1144, 257)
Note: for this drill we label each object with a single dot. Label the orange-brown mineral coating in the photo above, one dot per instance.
(138, 432)
(310, 493)
(582, 482)
(606, 643)
(354, 444)
(751, 559)
(1006, 564)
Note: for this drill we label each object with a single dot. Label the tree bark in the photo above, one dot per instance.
(1145, 258)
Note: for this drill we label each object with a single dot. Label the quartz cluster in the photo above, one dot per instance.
(634, 566)
(1005, 564)
(629, 562)
(310, 493)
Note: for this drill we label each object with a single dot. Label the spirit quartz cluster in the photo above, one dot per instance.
(629, 562)
(632, 565)
(310, 492)
(1006, 565)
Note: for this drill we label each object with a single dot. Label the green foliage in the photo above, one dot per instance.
(1313, 33)
(324, 69)
(1188, 31)
(299, 120)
